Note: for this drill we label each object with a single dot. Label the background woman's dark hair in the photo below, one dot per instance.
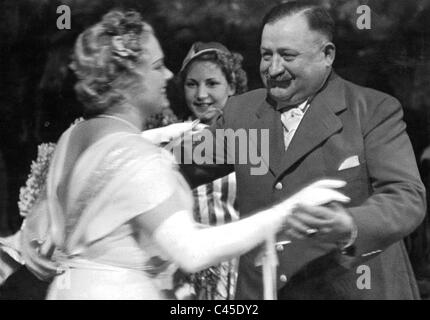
(230, 65)
(104, 58)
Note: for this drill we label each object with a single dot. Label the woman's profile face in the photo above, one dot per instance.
(206, 89)
(150, 92)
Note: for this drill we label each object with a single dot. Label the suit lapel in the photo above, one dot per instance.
(318, 124)
(268, 118)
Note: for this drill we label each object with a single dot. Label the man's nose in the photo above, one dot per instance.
(276, 68)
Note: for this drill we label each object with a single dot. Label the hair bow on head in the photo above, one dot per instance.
(119, 48)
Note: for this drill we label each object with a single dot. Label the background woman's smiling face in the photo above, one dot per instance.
(206, 89)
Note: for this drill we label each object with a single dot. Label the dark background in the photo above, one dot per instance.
(37, 101)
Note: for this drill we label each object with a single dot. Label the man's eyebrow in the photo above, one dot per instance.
(282, 50)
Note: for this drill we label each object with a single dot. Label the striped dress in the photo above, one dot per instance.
(215, 204)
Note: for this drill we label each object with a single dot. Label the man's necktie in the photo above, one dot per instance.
(291, 120)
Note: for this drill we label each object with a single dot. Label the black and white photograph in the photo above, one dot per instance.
(214, 150)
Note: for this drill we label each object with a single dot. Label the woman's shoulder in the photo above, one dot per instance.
(146, 150)
(136, 140)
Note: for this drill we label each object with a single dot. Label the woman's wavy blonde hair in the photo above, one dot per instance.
(105, 56)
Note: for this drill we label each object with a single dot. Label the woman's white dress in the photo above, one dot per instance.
(90, 219)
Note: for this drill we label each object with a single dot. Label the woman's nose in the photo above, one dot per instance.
(202, 92)
(168, 74)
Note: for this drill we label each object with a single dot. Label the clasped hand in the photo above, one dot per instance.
(316, 212)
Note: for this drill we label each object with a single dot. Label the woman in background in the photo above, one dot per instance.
(210, 74)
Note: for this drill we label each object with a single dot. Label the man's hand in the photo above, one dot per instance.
(328, 224)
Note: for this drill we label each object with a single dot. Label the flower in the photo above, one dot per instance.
(36, 181)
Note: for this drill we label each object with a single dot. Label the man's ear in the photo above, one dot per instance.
(231, 90)
(329, 53)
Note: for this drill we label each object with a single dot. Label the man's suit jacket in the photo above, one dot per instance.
(388, 198)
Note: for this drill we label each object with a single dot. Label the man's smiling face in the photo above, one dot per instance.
(294, 60)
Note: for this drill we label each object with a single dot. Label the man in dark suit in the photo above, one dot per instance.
(321, 125)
